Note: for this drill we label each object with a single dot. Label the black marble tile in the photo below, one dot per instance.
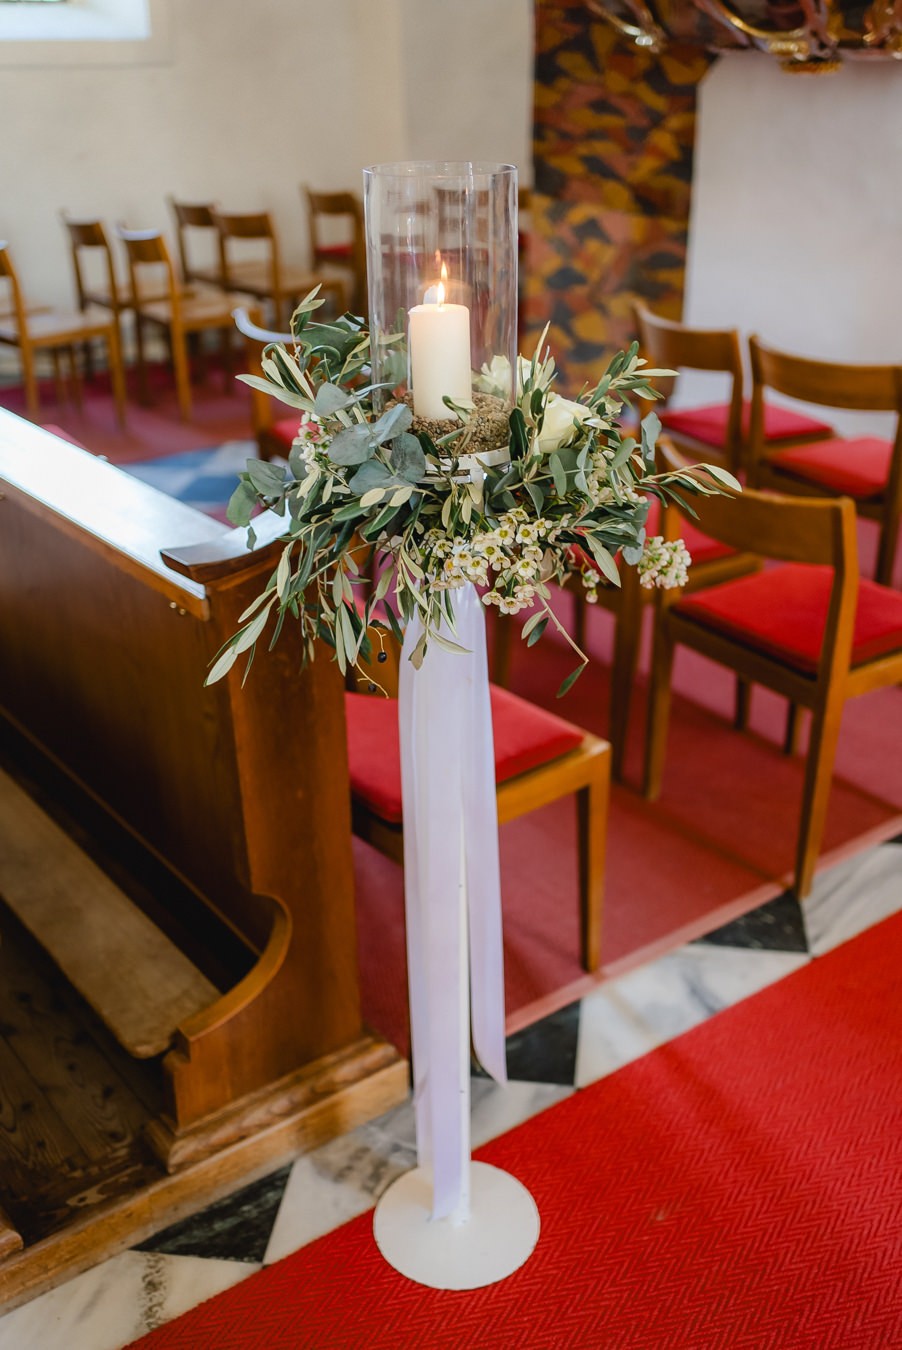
(546, 1051)
(235, 1229)
(777, 926)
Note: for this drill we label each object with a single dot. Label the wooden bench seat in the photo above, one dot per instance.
(140, 984)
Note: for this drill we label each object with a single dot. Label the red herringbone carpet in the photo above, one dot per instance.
(740, 1187)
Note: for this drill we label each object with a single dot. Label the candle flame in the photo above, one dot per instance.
(441, 286)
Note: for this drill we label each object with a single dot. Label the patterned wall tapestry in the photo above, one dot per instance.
(613, 146)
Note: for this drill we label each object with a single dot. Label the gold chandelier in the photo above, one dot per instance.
(805, 36)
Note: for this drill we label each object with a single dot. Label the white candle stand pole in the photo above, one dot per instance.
(490, 1224)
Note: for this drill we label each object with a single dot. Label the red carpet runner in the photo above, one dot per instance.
(740, 1187)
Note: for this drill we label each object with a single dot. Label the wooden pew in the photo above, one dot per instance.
(242, 793)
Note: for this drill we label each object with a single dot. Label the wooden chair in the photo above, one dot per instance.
(712, 562)
(808, 629)
(179, 314)
(56, 331)
(866, 468)
(191, 217)
(274, 427)
(266, 278)
(348, 254)
(718, 430)
(539, 758)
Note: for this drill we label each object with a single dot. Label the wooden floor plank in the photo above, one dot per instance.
(34, 1141)
(62, 1059)
(137, 981)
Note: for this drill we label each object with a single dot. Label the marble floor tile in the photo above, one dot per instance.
(111, 1305)
(345, 1177)
(236, 1228)
(853, 896)
(647, 1007)
(777, 926)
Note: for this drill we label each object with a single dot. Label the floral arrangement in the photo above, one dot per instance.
(385, 515)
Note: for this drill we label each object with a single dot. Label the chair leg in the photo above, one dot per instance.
(579, 618)
(742, 705)
(143, 386)
(793, 732)
(658, 709)
(75, 378)
(592, 826)
(59, 386)
(502, 646)
(627, 640)
(886, 553)
(225, 351)
(182, 373)
(825, 725)
(117, 374)
(32, 402)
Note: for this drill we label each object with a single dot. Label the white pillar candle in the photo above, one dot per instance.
(439, 337)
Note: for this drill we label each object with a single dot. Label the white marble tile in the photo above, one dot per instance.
(854, 895)
(497, 1108)
(344, 1178)
(111, 1305)
(649, 1006)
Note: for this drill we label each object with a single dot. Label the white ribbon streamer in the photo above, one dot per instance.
(452, 886)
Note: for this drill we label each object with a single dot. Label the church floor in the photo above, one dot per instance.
(105, 1308)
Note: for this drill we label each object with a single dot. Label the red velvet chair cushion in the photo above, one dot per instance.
(284, 431)
(336, 252)
(525, 737)
(856, 468)
(709, 424)
(782, 611)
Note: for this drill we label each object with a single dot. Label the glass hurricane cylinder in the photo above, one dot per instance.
(442, 274)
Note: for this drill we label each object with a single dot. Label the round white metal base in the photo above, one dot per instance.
(500, 1234)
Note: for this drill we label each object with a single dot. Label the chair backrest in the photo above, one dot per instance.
(338, 206)
(90, 234)
(834, 384)
(674, 346)
(815, 530)
(248, 225)
(147, 248)
(192, 216)
(8, 273)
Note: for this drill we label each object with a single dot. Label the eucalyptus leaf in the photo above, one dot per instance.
(392, 422)
(353, 445)
(330, 399)
(241, 504)
(372, 474)
(407, 458)
(268, 479)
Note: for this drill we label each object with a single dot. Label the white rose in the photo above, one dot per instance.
(495, 377)
(558, 425)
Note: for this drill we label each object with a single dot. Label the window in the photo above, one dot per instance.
(83, 32)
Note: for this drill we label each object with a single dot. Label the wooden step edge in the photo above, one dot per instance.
(122, 1223)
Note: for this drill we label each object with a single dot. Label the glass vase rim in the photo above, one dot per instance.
(440, 168)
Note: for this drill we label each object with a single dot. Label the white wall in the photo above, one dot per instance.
(796, 230)
(252, 98)
(468, 80)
